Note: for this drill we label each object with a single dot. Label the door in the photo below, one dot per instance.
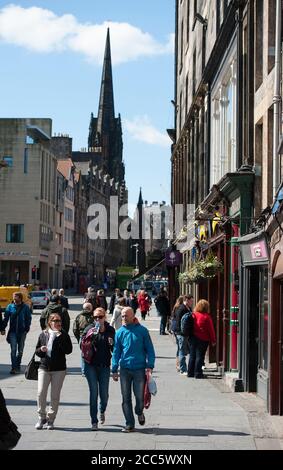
(280, 355)
(263, 358)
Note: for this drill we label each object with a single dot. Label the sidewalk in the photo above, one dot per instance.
(185, 414)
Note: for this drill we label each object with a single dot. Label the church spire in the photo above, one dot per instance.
(140, 201)
(106, 113)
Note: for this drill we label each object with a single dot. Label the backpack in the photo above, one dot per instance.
(187, 324)
(87, 347)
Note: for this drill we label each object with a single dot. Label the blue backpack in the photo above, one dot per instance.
(187, 325)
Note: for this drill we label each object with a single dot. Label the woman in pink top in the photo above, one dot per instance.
(204, 335)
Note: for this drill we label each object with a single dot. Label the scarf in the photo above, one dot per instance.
(52, 335)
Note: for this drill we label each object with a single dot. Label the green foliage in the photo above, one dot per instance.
(202, 269)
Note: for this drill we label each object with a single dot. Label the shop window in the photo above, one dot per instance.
(263, 319)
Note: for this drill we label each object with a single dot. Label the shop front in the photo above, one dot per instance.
(254, 314)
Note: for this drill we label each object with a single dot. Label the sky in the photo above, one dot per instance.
(51, 61)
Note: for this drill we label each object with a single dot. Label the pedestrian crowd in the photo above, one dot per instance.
(121, 347)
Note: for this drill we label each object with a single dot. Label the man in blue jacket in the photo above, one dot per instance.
(19, 315)
(135, 354)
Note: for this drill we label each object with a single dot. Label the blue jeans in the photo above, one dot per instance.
(129, 377)
(197, 353)
(98, 382)
(17, 343)
(183, 352)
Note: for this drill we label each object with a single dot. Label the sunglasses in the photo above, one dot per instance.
(56, 321)
(99, 317)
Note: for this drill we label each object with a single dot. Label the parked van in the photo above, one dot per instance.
(6, 295)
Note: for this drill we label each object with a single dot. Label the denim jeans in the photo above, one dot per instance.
(183, 352)
(197, 353)
(98, 382)
(17, 343)
(129, 378)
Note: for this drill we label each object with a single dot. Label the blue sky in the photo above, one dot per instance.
(51, 53)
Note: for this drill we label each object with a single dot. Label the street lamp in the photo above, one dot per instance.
(136, 246)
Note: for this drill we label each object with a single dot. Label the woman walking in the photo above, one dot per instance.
(178, 303)
(204, 335)
(144, 303)
(98, 371)
(52, 346)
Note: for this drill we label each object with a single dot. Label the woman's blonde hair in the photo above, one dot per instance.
(202, 306)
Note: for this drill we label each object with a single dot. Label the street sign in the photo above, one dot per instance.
(173, 258)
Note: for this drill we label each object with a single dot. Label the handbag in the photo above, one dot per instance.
(9, 439)
(31, 372)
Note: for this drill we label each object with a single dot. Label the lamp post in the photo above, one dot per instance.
(136, 246)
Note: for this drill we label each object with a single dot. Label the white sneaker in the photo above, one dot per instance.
(40, 424)
(184, 373)
(50, 425)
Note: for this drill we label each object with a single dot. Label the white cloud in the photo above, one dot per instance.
(41, 30)
(141, 129)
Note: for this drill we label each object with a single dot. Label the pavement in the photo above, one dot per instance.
(185, 414)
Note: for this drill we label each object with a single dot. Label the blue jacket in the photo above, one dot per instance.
(18, 323)
(133, 348)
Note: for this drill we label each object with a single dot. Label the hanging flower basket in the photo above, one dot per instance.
(201, 270)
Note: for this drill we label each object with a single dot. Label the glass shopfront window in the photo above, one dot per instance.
(263, 318)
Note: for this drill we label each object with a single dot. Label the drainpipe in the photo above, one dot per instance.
(277, 97)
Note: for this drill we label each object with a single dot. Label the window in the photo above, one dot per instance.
(188, 21)
(15, 233)
(26, 161)
(223, 122)
(181, 46)
(9, 161)
(29, 140)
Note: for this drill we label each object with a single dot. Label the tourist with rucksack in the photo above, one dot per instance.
(96, 346)
(182, 338)
(81, 321)
(203, 335)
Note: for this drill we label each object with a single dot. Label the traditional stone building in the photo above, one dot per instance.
(222, 164)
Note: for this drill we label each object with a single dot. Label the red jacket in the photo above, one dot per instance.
(203, 327)
(143, 303)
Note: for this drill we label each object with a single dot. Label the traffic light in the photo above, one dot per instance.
(33, 272)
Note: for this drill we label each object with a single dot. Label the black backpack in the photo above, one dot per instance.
(187, 325)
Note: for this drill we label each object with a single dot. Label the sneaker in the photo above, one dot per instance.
(50, 425)
(102, 418)
(184, 374)
(128, 429)
(94, 427)
(40, 424)
(141, 419)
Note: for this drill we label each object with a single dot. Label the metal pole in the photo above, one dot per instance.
(277, 98)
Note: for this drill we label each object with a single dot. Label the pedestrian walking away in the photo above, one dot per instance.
(63, 299)
(81, 321)
(97, 371)
(114, 300)
(134, 354)
(18, 315)
(52, 347)
(178, 303)
(203, 335)
(54, 306)
(144, 302)
(183, 341)
(101, 299)
(163, 307)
